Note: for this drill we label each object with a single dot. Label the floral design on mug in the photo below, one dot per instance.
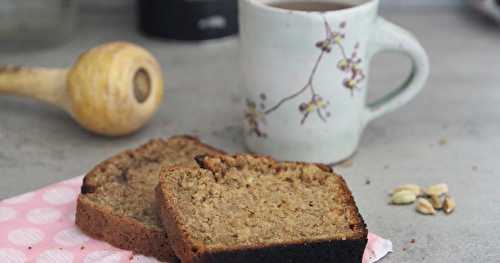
(316, 104)
(352, 66)
(253, 116)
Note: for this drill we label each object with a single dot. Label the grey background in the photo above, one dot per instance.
(40, 145)
(121, 3)
(114, 4)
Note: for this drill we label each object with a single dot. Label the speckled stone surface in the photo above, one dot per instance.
(40, 145)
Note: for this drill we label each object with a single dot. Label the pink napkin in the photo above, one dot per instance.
(39, 227)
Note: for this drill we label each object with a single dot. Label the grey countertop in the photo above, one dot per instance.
(460, 107)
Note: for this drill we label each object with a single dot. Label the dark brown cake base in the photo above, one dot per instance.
(347, 251)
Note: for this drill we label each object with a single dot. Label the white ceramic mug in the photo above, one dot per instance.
(304, 77)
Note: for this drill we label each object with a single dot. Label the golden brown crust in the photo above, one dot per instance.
(346, 250)
(200, 160)
(356, 222)
(124, 232)
(176, 236)
(90, 186)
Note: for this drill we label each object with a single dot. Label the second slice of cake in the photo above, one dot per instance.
(253, 209)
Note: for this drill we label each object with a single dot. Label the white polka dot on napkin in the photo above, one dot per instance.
(10, 255)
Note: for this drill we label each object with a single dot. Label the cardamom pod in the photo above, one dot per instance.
(437, 189)
(449, 204)
(403, 197)
(409, 187)
(425, 207)
(436, 202)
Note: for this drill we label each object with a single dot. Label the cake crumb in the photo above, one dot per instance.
(29, 248)
(131, 257)
(368, 182)
(82, 248)
(443, 141)
(412, 241)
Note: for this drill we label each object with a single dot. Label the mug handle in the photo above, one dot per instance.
(388, 36)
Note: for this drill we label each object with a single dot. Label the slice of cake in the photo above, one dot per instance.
(117, 201)
(253, 209)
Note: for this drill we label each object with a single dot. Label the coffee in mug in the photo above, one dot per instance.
(309, 6)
